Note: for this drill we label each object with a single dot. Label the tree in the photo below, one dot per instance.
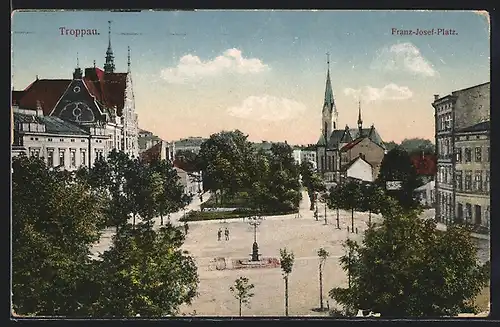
(55, 220)
(418, 145)
(390, 145)
(405, 267)
(311, 181)
(187, 160)
(323, 255)
(334, 200)
(170, 197)
(286, 261)
(397, 166)
(373, 198)
(145, 272)
(351, 198)
(242, 291)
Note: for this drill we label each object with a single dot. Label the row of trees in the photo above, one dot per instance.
(232, 166)
(57, 216)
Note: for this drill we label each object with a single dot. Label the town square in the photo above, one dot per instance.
(235, 164)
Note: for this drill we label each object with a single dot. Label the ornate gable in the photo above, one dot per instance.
(78, 105)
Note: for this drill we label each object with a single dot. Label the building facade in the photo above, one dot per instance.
(358, 168)
(93, 100)
(456, 113)
(369, 151)
(60, 143)
(333, 139)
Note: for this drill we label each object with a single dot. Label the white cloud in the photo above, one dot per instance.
(268, 108)
(388, 92)
(403, 57)
(191, 67)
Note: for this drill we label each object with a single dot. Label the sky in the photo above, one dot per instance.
(199, 72)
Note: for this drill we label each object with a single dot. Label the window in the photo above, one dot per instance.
(83, 158)
(72, 157)
(468, 180)
(49, 139)
(35, 152)
(50, 157)
(61, 140)
(477, 214)
(458, 180)
(468, 212)
(448, 121)
(459, 155)
(61, 158)
(488, 154)
(447, 147)
(72, 140)
(478, 154)
(460, 212)
(478, 181)
(445, 175)
(468, 155)
(487, 180)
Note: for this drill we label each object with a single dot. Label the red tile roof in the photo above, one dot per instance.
(424, 164)
(47, 91)
(108, 89)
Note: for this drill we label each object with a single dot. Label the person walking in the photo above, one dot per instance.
(219, 234)
(186, 227)
(226, 233)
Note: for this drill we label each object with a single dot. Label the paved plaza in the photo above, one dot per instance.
(303, 235)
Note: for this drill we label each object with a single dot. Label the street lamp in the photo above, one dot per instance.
(254, 222)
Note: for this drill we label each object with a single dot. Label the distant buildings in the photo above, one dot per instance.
(192, 144)
(151, 145)
(462, 130)
(426, 194)
(338, 147)
(305, 154)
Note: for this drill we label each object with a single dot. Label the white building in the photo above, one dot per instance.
(61, 143)
(191, 186)
(297, 156)
(359, 169)
(309, 156)
(426, 194)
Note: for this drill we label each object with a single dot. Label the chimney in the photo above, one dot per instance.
(39, 109)
(436, 97)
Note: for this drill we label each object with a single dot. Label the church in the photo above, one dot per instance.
(95, 107)
(338, 149)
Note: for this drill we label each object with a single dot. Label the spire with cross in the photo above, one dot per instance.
(128, 58)
(329, 101)
(360, 121)
(109, 66)
(77, 74)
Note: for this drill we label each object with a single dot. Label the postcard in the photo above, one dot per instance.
(266, 163)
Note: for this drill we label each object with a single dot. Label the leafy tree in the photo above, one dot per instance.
(323, 255)
(170, 197)
(286, 261)
(55, 220)
(350, 198)
(390, 145)
(311, 181)
(145, 272)
(405, 267)
(242, 291)
(418, 145)
(222, 159)
(334, 200)
(373, 199)
(397, 166)
(187, 160)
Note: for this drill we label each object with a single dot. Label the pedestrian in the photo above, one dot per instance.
(186, 227)
(219, 234)
(226, 232)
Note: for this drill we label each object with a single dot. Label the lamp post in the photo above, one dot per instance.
(255, 221)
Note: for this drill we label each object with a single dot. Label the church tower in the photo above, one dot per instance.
(109, 66)
(130, 121)
(360, 121)
(330, 114)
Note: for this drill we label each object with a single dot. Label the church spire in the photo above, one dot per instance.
(109, 66)
(329, 102)
(360, 121)
(128, 59)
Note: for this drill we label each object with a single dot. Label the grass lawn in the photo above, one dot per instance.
(240, 200)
